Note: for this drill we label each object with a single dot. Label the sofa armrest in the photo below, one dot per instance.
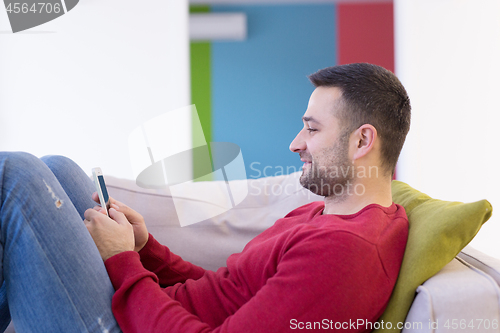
(463, 297)
(484, 262)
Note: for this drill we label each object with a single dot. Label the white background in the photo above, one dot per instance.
(448, 58)
(78, 85)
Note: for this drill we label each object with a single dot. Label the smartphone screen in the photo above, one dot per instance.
(102, 191)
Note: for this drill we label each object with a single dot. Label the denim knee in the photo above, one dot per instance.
(16, 160)
(18, 156)
(58, 162)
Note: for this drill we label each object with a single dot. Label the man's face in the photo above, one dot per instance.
(323, 146)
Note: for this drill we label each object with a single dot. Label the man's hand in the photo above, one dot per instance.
(134, 218)
(111, 235)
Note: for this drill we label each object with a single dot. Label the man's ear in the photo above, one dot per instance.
(364, 140)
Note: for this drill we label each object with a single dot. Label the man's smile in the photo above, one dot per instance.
(306, 162)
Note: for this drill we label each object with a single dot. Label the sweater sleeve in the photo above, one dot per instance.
(334, 280)
(167, 266)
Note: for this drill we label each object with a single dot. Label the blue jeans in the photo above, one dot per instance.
(54, 279)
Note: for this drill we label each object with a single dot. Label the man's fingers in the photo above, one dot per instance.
(119, 217)
(120, 207)
(92, 214)
(99, 209)
(89, 213)
(95, 197)
(111, 235)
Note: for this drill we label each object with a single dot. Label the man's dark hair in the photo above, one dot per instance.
(371, 95)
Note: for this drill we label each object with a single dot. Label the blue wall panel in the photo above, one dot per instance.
(260, 88)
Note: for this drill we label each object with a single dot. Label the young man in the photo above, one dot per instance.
(326, 265)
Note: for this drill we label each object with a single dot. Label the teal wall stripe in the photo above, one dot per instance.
(259, 86)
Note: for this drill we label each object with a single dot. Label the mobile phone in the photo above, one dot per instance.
(101, 188)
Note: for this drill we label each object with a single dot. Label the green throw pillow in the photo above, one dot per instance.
(438, 231)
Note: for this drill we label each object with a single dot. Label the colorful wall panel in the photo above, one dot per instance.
(258, 88)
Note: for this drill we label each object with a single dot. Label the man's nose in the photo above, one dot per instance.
(298, 144)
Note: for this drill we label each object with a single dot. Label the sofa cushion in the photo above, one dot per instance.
(460, 298)
(211, 241)
(438, 230)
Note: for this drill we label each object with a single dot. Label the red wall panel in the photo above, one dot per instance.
(366, 33)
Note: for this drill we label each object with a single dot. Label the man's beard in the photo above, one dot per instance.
(331, 174)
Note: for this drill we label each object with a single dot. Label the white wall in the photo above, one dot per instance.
(448, 58)
(78, 85)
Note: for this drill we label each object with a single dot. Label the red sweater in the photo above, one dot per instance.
(307, 271)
